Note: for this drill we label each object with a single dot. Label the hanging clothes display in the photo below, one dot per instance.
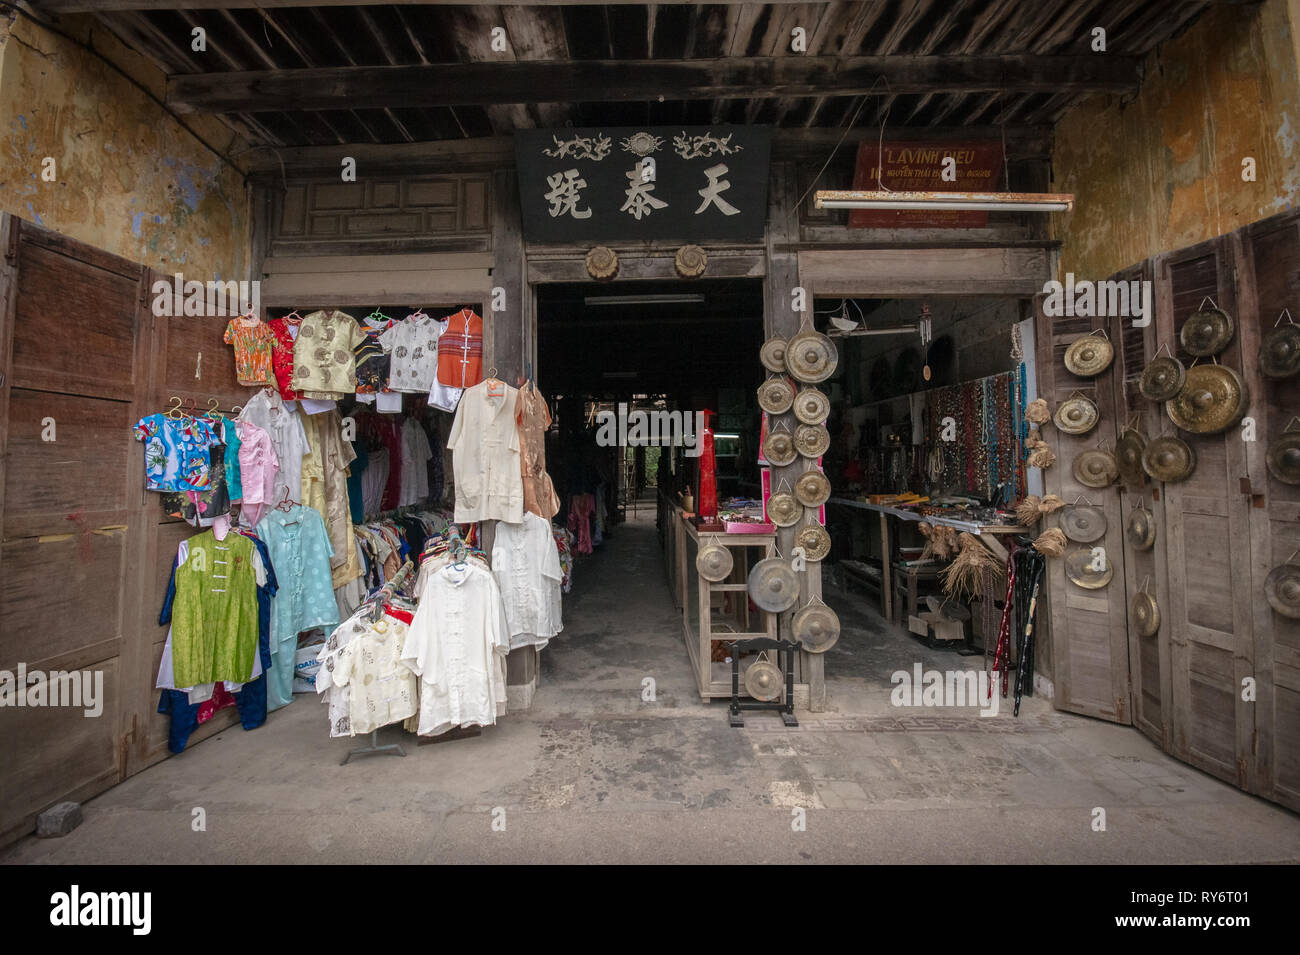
(485, 464)
(415, 464)
(460, 359)
(214, 613)
(457, 645)
(258, 467)
(285, 332)
(176, 451)
(253, 342)
(526, 562)
(412, 347)
(267, 410)
(324, 361)
(325, 488)
(300, 550)
(369, 675)
(533, 418)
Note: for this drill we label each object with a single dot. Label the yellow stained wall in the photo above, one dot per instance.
(130, 179)
(1164, 171)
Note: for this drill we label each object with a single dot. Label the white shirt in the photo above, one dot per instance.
(413, 349)
(527, 567)
(415, 463)
(485, 456)
(457, 644)
(267, 410)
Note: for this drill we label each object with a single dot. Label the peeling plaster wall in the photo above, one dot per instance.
(130, 179)
(1164, 171)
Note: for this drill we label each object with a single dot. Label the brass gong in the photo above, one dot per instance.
(1282, 590)
(1146, 614)
(763, 680)
(811, 406)
(1095, 468)
(1140, 529)
(1162, 379)
(772, 355)
(1080, 567)
(1206, 332)
(779, 448)
(1213, 399)
(1089, 356)
(812, 440)
(714, 562)
(783, 510)
(1084, 523)
(775, 396)
(816, 626)
(1128, 456)
(811, 357)
(1283, 457)
(1169, 459)
(1279, 352)
(1077, 415)
(815, 541)
(773, 585)
(812, 488)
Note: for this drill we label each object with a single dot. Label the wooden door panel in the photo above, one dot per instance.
(75, 326)
(83, 471)
(1089, 630)
(193, 344)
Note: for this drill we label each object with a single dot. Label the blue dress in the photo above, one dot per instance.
(300, 549)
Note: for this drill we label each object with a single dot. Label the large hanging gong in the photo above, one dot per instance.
(1206, 332)
(1282, 590)
(1140, 528)
(1076, 415)
(810, 356)
(1283, 457)
(1128, 456)
(783, 510)
(1083, 523)
(773, 585)
(812, 440)
(815, 541)
(763, 680)
(714, 562)
(1162, 379)
(1095, 468)
(816, 626)
(1279, 352)
(1169, 459)
(1146, 614)
(779, 448)
(811, 406)
(1089, 356)
(1213, 399)
(776, 395)
(1086, 571)
(772, 355)
(813, 489)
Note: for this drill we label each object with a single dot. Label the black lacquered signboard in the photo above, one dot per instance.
(685, 183)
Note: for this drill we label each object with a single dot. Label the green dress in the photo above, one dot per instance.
(214, 617)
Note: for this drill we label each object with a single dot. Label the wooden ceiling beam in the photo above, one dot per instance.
(108, 6)
(464, 84)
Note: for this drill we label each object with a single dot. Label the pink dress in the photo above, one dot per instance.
(258, 467)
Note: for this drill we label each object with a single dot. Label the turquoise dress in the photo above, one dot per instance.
(300, 552)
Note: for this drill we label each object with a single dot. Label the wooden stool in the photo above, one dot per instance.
(910, 585)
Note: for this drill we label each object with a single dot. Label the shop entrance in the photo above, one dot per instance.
(608, 354)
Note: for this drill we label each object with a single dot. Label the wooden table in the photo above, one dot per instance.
(987, 533)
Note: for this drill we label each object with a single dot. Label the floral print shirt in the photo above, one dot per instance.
(252, 343)
(176, 450)
(282, 355)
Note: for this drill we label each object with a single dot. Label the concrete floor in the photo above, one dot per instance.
(593, 774)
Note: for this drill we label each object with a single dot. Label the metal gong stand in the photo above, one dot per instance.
(785, 654)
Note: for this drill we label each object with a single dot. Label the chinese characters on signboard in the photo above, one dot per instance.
(687, 184)
(918, 167)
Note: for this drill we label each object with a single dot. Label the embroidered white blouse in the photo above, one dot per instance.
(384, 689)
(527, 567)
(457, 645)
(485, 456)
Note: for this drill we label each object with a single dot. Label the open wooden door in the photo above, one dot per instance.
(1268, 276)
(1207, 545)
(1089, 627)
(75, 372)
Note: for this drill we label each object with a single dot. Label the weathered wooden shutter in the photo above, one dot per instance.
(1089, 627)
(1148, 656)
(1268, 278)
(1207, 545)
